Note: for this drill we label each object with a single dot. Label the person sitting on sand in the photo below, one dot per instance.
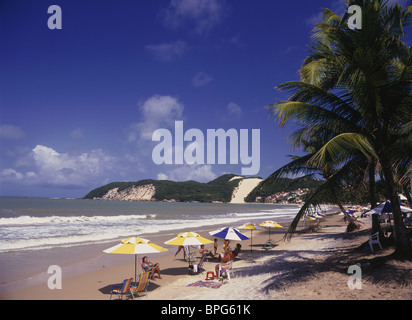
(148, 266)
(226, 249)
(226, 245)
(204, 251)
(225, 260)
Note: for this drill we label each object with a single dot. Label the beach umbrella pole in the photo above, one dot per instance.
(251, 249)
(135, 268)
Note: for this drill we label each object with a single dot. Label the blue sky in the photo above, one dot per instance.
(78, 104)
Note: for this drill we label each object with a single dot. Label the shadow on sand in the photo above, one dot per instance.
(292, 267)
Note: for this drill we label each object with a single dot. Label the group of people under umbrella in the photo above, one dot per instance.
(139, 246)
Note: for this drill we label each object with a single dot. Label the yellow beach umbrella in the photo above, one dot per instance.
(188, 239)
(270, 224)
(305, 219)
(136, 246)
(251, 226)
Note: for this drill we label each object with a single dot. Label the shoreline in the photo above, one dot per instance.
(76, 260)
(19, 267)
(82, 266)
(299, 269)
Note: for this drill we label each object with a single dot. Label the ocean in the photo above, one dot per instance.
(38, 232)
(44, 223)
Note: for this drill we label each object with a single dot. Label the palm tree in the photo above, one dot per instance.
(357, 84)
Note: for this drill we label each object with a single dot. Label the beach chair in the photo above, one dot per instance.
(140, 290)
(202, 260)
(199, 267)
(123, 290)
(268, 245)
(374, 238)
(226, 272)
(190, 256)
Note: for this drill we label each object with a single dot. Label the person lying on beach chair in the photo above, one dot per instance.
(150, 267)
(269, 244)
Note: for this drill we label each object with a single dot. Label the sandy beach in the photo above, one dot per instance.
(310, 266)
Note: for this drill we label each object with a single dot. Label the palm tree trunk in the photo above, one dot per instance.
(347, 216)
(372, 193)
(376, 226)
(402, 243)
(407, 193)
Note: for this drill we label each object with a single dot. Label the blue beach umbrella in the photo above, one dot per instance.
(386, 207)
(229, 233)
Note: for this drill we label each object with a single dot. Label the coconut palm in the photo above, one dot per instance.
(341, 177)
(357, 85)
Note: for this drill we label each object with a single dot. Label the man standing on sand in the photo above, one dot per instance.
(215, 246)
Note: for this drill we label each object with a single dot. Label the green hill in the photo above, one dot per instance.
(282, 184)
(219, 189)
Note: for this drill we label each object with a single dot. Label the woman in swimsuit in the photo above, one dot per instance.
(148, 266)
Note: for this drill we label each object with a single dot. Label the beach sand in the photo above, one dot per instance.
(310, 266)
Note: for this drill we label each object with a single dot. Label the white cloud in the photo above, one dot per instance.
(233, 110)
(54, 169)
(10, 175)
(203, 15)
(200, 173)
(162, 176)
(201, 79)
(168, 51)
(77, 133)
(11, 132)
(230, 113)
(158, 112)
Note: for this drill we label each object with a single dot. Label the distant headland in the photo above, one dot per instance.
(228, 188)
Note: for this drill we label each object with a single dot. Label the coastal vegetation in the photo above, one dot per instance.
(281, 185)
(218, 190)
(353, 107)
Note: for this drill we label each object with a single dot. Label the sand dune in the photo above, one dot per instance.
(244, 188)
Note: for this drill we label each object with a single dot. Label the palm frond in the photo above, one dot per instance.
(341, 145)
(341, 182)
(296, 167)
